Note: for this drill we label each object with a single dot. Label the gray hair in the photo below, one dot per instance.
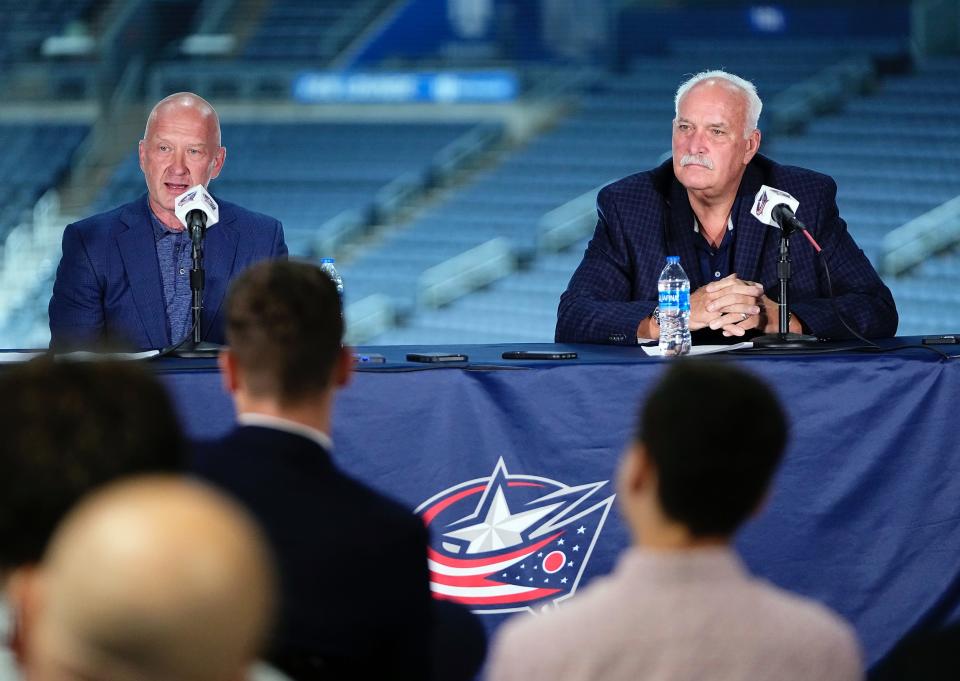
(748, 89)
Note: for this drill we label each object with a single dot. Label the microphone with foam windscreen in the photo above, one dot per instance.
(197, 210)
(776, 208)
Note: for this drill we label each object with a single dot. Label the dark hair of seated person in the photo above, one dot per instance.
(69, 427)
(715, 434)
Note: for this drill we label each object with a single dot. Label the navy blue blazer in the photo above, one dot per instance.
(647, 216)
(355, 594)
(108, 286)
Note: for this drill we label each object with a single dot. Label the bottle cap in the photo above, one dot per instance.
(326, 260)
(673, 259)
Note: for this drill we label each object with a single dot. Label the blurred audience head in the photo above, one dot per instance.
(67, 428)
(284, 331)
(155, 578)
(707, 442)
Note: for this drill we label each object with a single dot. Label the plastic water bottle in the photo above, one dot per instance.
(328, 268)
(674, 290)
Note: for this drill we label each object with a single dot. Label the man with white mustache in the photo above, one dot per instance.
(124, 277)
(697, 206)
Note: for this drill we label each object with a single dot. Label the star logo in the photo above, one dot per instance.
(500, 529)
(498, 542)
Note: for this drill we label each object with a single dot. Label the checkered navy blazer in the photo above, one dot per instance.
(647, 216)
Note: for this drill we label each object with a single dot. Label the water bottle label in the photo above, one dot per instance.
(672, 299)
(683, 300)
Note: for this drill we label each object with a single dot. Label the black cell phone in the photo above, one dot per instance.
(538, 354)
(368, 358)
(436, 357)
(939, 340)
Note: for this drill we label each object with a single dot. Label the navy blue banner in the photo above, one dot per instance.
(862, 516)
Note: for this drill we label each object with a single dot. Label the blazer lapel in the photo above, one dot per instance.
(220, 253)
(681, 237)
(751, 233)
(138, 251)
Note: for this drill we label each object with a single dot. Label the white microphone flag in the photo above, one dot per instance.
(197, 198)
(767, 199)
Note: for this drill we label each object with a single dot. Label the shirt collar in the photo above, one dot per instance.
(696, 223)
(286, 425)
(160, 230)
(683, 565)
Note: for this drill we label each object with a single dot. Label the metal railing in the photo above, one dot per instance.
(909, 245)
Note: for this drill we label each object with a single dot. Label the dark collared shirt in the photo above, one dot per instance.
(716, 262)
(174, 258)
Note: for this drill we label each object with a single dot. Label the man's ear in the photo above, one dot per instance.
(753, 146)
(218, 161)
(229, 371)
(343, 369)
(24, 591)
(635, 470)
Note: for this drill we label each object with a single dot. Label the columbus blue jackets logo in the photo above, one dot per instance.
(186, 198)
(207, 199)
(761, 204)
(507, 542)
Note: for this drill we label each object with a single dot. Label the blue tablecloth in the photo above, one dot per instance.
(864, 514)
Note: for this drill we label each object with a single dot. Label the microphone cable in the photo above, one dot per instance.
(833, 300)
(869, 345)
(166, 352)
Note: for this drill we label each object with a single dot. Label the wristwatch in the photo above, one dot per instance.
(655, 315)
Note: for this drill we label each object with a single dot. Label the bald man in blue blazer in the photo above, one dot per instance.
(123, 279)
(698, 206)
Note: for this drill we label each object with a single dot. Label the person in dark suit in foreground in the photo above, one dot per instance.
(698, 206)
(355, 600)
(124, 277)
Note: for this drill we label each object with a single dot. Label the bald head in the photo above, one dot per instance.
(185, 104)
(152, 579)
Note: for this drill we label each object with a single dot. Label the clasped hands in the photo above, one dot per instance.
(733, 305)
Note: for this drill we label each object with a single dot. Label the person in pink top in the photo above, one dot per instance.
(680, 605)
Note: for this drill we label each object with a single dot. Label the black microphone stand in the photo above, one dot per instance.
(197, 226)
(784, 340)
